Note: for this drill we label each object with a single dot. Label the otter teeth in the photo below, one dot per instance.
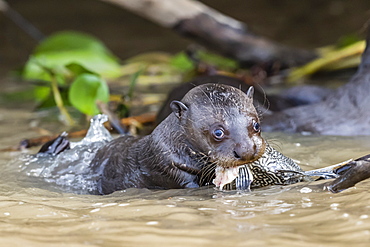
(225, 176)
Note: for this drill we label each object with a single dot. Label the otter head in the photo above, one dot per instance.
(221, 122)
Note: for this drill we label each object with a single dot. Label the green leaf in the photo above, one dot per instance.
(41, 92)
(85, 91)
(64, 48)
(49, 100)
(77, 69)
(133, 82)
(95, 62)
(71, 40)
(182, 62)
(347, 40)
(218, 60)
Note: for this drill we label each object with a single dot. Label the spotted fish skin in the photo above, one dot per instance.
(273, 168)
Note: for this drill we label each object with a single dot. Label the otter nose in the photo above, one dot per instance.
(244, 153)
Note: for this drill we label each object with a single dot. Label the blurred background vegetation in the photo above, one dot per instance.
(147, 53)
(305, 23)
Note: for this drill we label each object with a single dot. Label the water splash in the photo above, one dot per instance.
(96, 133)
(70, 170)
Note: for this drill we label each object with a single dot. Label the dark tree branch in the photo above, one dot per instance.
(359, 171)
(215, 31)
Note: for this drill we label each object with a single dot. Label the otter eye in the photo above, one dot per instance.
(218, 134)
(256, 126)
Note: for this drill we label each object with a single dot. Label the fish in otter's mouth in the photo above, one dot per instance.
(225, 175)
(272, 168)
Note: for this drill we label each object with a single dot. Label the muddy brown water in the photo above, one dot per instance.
(33, 214)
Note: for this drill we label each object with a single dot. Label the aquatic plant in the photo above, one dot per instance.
(71, 68)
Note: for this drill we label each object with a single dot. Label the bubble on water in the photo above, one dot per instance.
(305, 190)
(109, 205)
(207, 209)
(95, 210)
(151, 223)
(307, 204)
(334, 206)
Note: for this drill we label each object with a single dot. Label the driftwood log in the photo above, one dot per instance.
(359, 170)
(216, 31)
(345, 111)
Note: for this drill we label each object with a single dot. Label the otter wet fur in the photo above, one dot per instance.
(213, 124)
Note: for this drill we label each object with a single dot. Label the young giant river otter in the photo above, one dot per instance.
(212, 133)
(213, 124)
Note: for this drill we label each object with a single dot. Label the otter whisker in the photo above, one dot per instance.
(266, 103)
(207, 173)
(274, 143)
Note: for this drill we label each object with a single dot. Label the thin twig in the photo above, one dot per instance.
(21, 22)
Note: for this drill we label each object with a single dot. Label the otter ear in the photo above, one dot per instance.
(178, 108)
(250, 92)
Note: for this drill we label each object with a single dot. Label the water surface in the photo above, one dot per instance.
(33, 213)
